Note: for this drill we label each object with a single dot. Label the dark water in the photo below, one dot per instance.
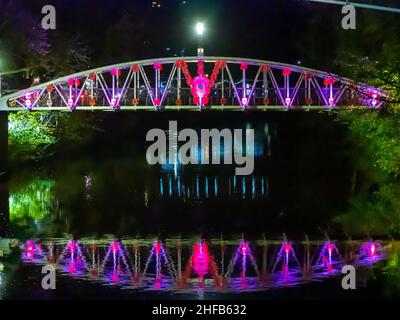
(142, 228)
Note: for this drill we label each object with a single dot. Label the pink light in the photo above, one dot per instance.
(244, 249)
(30, 246)
(244, 101)
(72, 267)
(286, 72)
(157, 66)
(244, 66)
(157, 101)
(329, 81)
(71, 247)
(115, 72)
(330, 248)
(331, 101)
(372, 250)
(286, 248)
(201, 89)
(115, 277)
(200, 259)
(114, 247)
(288, 101)
(157, 248)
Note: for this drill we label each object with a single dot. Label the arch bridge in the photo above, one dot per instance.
(197, 83)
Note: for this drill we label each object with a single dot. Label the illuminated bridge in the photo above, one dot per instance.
(197, 83)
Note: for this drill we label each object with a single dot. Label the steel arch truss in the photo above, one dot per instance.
(195, 83)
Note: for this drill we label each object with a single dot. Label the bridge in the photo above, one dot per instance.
(196, 83)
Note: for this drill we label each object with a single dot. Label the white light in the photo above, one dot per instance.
(200, 28)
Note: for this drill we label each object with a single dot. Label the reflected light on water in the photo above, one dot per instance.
(190, 265)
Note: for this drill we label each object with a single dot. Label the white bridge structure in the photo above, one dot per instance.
(197, 83)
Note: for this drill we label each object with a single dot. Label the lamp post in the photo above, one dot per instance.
(200, 29)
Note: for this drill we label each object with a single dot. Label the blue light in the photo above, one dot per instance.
(262, 186)
(197, 187)
(253, 188)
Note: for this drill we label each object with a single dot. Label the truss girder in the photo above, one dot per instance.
(157, 84)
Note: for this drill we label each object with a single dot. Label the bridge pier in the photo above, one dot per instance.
(4, 205)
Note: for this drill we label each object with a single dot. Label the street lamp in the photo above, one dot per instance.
(200, 29)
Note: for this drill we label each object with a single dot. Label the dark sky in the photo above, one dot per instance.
(280, 30)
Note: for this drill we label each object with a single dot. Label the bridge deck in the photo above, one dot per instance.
(191, 108)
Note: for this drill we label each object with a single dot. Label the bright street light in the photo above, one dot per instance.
(200, 28)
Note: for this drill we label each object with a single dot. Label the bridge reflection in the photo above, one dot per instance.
(204, 187)
(190, 265)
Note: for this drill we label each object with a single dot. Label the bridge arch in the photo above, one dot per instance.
(196, 83)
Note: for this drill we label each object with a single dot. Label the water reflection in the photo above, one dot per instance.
(197, 265)
(204, 187)
(33, 201)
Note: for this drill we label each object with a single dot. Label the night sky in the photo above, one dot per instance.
(291, 31)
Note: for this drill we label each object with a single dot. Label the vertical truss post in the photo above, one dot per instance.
(308, 99)
(265, 84)
(286, 77)
(70, 100)
(157, 70)
(244, 67)
(179, 84)
(135, 85)
(222, 84)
